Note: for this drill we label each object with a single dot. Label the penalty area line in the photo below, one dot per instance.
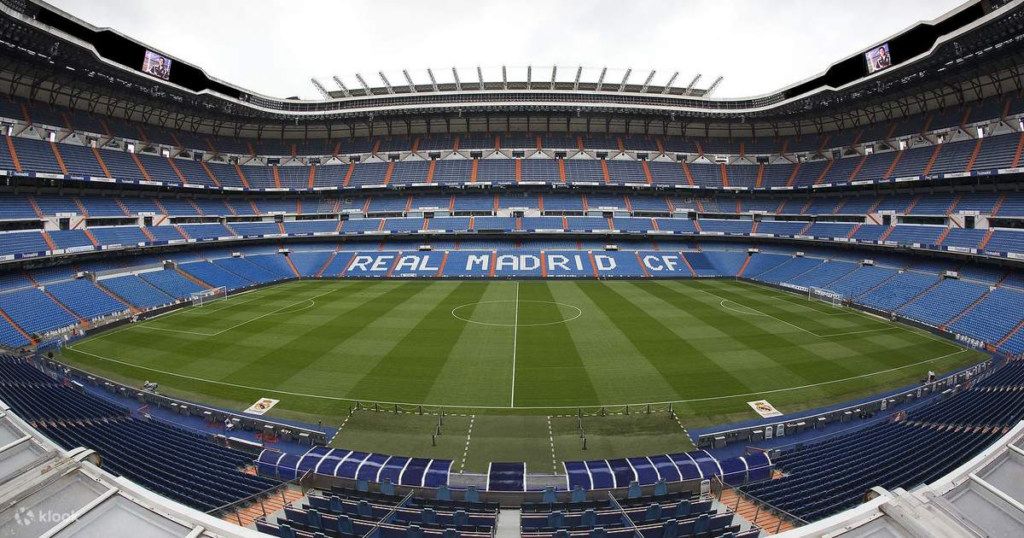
(311, 300)
(757, 312)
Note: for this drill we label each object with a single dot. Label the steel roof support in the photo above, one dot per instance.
(600, 80)
(433, 81)
(341, 86)
(387, 85)
(408, 79)
(647, 82)
(692, 84)
(320, 88)
(671, 81)
(366, 87)
(625, 79)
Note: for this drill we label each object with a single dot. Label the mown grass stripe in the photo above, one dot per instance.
(677, 359)
(549, 369)
(413, 365)
(602, 346)
(754, 334)
(287, 354)
(480, 360)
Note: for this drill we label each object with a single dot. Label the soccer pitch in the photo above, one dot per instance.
(537, 349)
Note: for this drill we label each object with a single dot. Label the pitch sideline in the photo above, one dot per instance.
(521, 408)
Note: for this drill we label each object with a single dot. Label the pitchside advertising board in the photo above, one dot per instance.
(520, 264)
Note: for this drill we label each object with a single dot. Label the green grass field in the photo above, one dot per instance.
(534, 349)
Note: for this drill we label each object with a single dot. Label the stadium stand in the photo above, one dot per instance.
(896, 193)
(943, 435)
(180, 465)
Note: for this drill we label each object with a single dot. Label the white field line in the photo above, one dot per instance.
(579, 313)
(469, 437)
(237, 325)
(810, 332)
(573, 407)
(551, 437)
(754, 313)
(862, 314)
(148, 328)
(789, 299)
(204, 310)
(515, 337)
(146, 323)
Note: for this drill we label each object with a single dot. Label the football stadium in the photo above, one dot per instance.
(496, 302)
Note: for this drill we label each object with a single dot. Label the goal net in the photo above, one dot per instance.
(833, 298)
(214, 294)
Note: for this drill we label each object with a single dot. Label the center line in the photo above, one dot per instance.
(515, 336)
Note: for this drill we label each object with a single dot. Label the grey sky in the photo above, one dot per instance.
(274, 47)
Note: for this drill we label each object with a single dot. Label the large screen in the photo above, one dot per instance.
(878, 58)
(156, 65)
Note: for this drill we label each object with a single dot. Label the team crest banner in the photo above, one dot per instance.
(765, 409)
(262, 406)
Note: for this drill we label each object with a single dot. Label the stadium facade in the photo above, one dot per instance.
(133, 184)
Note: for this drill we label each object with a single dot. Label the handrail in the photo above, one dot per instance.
(780, 514)
(257, 497)
(392, 512)
(625, 515)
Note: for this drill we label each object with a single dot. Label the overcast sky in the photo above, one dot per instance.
(274, 47)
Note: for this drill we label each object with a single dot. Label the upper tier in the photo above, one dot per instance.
(923, 160)
(547, 138)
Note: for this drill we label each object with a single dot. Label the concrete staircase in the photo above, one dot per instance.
(754, 513)
(270, 507)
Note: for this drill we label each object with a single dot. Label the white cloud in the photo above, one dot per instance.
(274, 47)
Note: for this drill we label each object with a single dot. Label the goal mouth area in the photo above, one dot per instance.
(824, 295)
(200, 298)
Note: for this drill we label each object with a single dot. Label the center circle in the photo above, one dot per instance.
(567, 312)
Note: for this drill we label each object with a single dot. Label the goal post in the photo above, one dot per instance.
(200, 298)
(833, 298)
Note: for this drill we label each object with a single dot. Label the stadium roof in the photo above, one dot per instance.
(969, 53)
(530, 78)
